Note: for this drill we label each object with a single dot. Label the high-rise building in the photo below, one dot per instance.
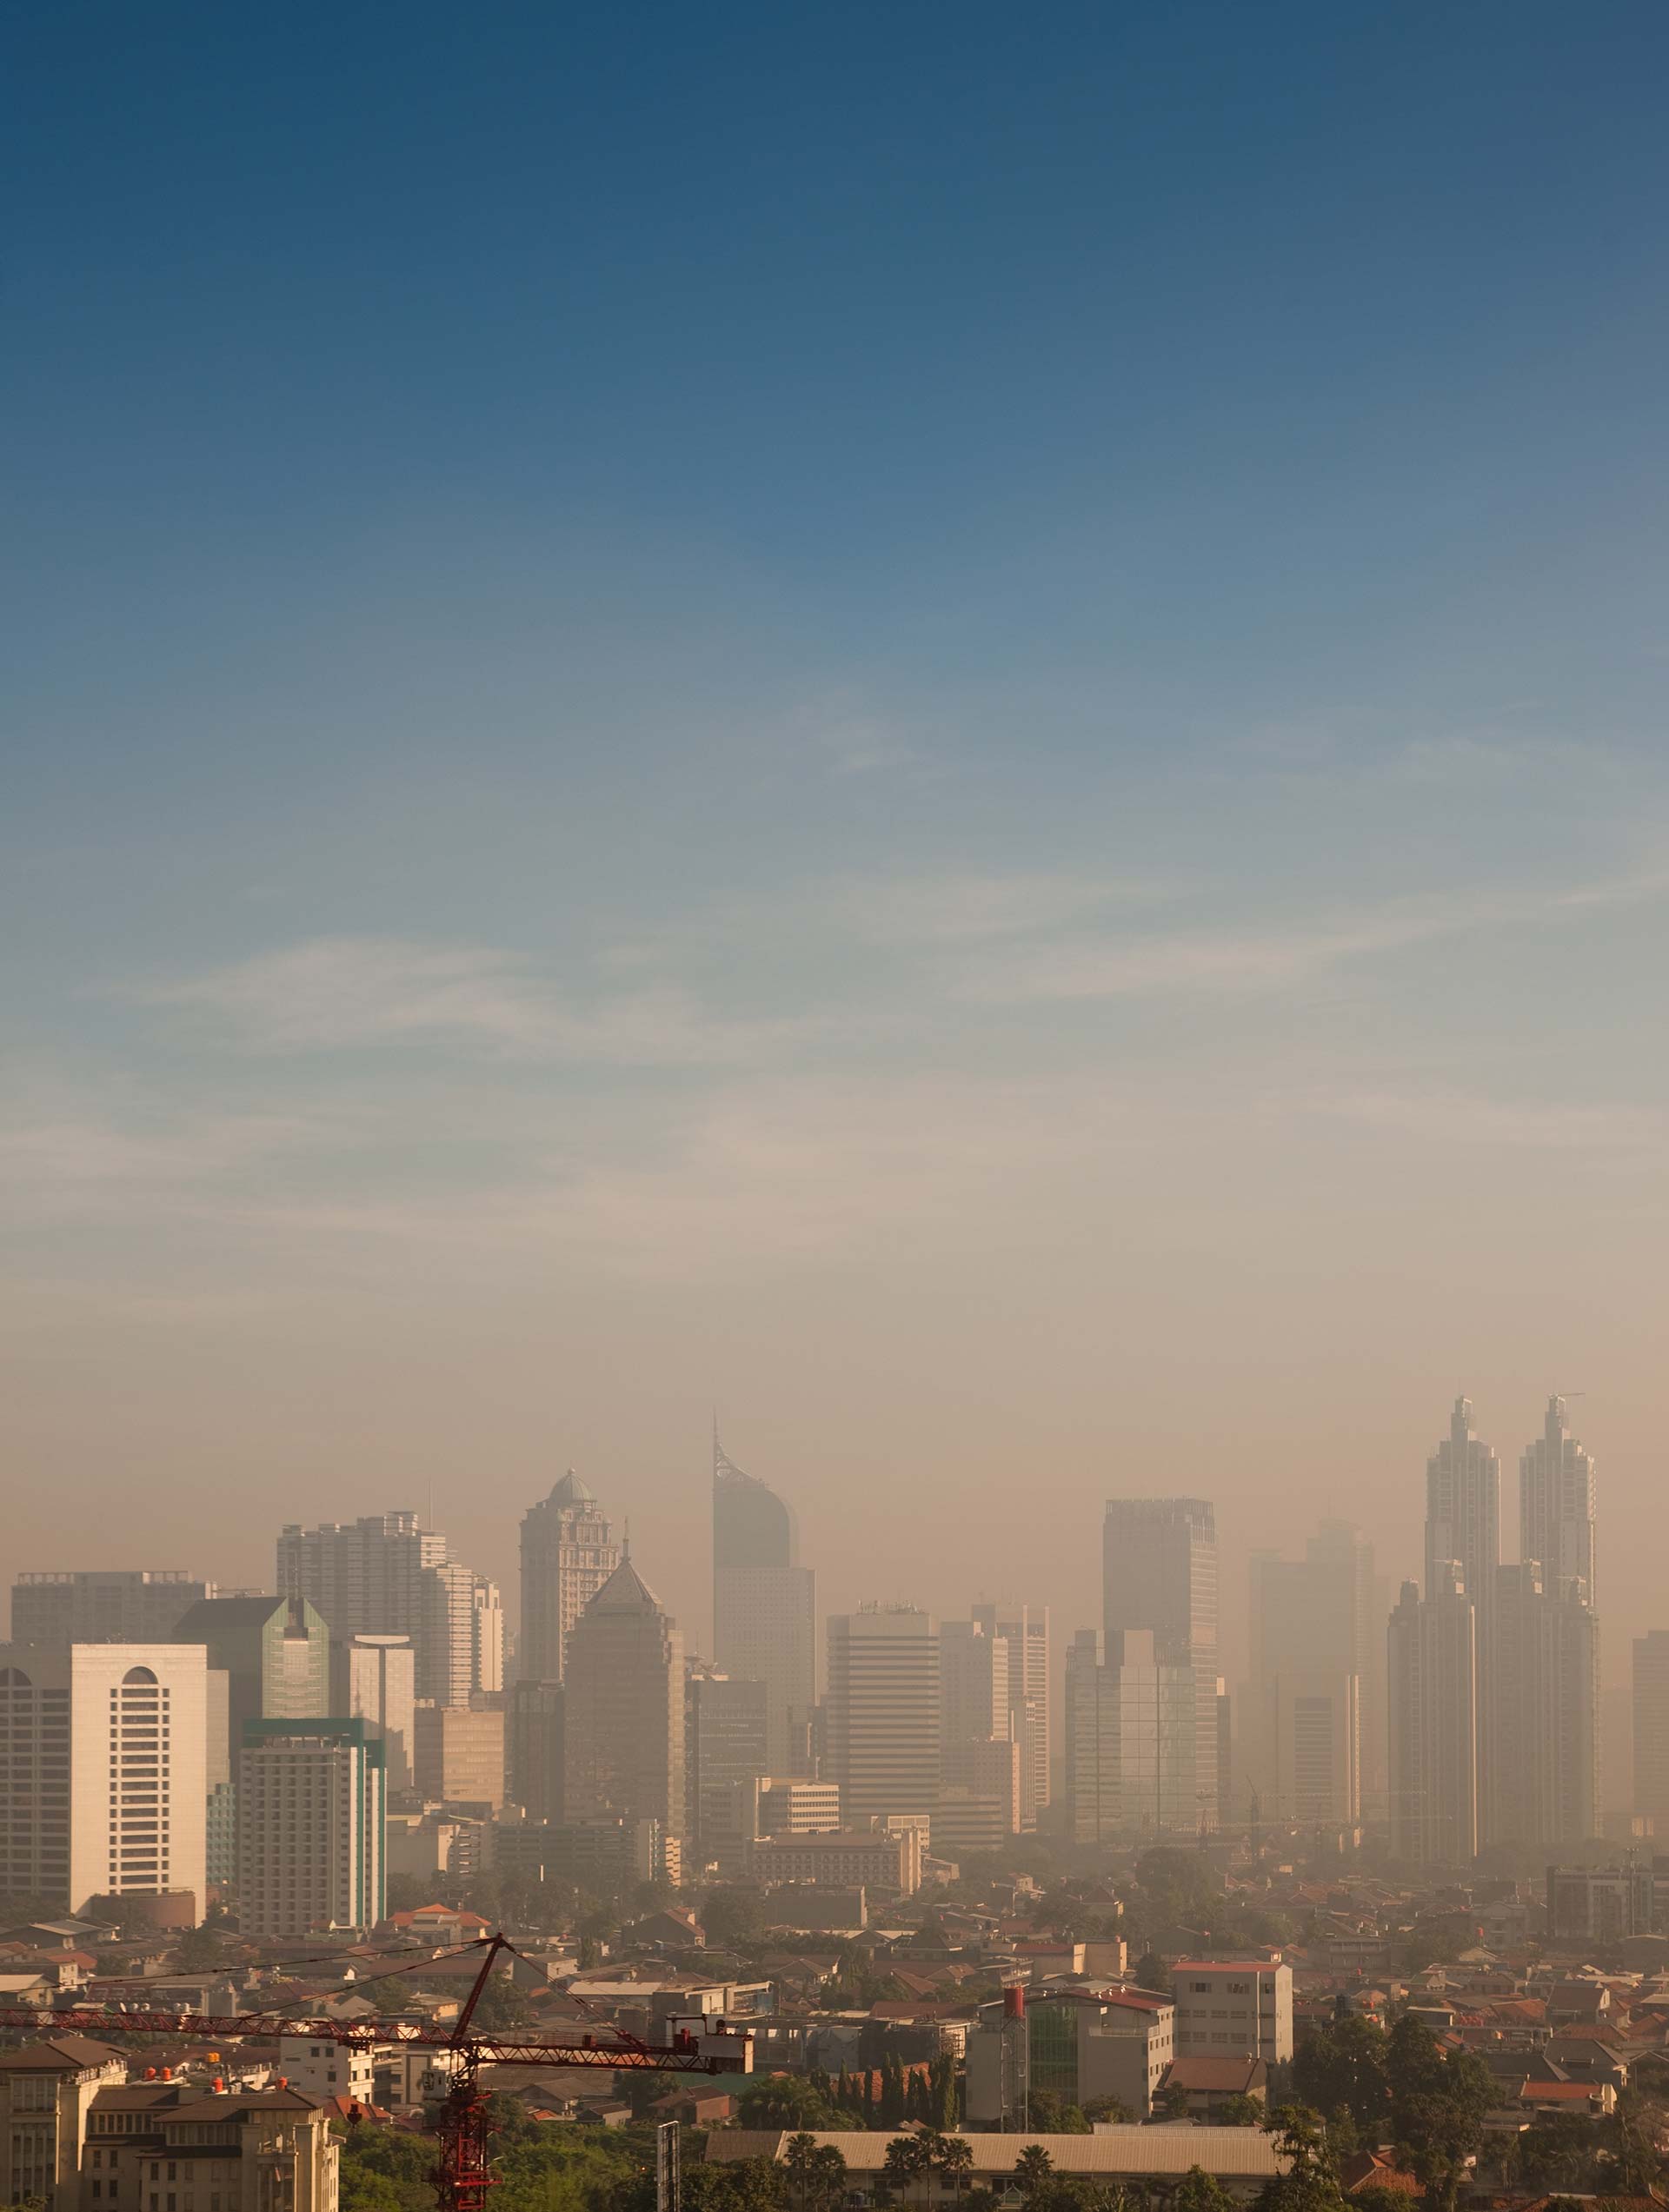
(105, 1747)
(1311, 1640)
(534, 1743)
(310, 1814)
(1025, 1630)
(1159, 1573)
(569, 1551)
(1650, 1695)
(103, 1605)
(1131, 1730)
(274, 1653)
(1463, 1532)
(384, 1575)
(623, 1753)
(725, 1728)
(764, 1606)
(1545, 1727)
(1431, 1669)
(458, 1755)
(882, 1715)
(379, 1686)
(1556, 1506)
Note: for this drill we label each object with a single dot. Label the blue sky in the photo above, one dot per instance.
(944, 722)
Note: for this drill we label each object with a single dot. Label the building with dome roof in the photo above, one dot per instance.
(568, 1553)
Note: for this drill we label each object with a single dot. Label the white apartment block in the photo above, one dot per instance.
(327, 2069)
(106, 1749)
(1239, 2009)
(310, 1828)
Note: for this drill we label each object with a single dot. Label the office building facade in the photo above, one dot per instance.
(384, 1575)
(882, 1712)
(103, 1605)
(624, 1750)
(310, 1827)
(764, 1606)
(569, 1551)
(1159, 1576)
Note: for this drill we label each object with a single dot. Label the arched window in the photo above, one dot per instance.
(13, 1678)
(138, 1674)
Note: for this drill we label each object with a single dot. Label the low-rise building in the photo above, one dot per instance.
(1080, 2045)
(1241, 2160)
(46, 2091)
(848, 1857)
(174, 2146)
(1233, 2008)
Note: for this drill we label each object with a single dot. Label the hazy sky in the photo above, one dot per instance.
(943, 723)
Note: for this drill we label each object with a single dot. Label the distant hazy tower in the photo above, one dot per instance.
(1556, 1506)
(1432, 1702)
(623, 1734)
(384, 1575)
(1025, 1630)
(764, 1608)
(568, 1553)
(1652, 1729)
(1159, 1572)
(882, 1712)
(1463, 1534)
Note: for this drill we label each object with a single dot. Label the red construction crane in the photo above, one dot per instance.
(463, 2172)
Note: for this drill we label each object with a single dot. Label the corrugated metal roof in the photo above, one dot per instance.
(1227, 2153)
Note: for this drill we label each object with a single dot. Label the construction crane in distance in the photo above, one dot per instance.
(463, 2167)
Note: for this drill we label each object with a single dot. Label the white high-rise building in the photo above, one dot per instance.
(105, 1747)
(310, 1821)
(883, 1712)
(381, 1689)
(1025, 1630)
(385, 1575)
(1158, 1574)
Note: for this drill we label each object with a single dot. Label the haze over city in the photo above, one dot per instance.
(945, 732)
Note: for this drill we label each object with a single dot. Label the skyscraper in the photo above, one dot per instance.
(1433, 1709)
(1025, 1630)
(1463, 1543)
(569, 1551)
(883, 1713)
(623, 1753)
(1159, 1564)
(764, 1608)
(274, 1653)
(1130, 1724)
(1556, 1505)
(385, 1575)
(1545, 1731)
(725, 1728)
(103, 1605)
(1650, 1693)
(105, 1749)
(311, 1827)
(379, 1688)
(1311, 1648)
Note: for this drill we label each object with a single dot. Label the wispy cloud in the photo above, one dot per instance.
(1254, 959)
(339, 992)
(1460, 1118)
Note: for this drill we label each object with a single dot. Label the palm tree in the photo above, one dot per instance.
(828, 2173)
(1032, 2168)
(906, 2162)
(955, 2156)
(800, 2159)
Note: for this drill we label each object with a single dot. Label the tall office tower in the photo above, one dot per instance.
(105, 1746)
(1431, 1674)
(623, 1753)
(104, 1605)
(1546, 1712)
(379, 1686)
(1301, 1719)
(1159, 1572)
(385, 1576)
(979, 1757)
(568, 1553)
(459, 1756)
(274, 1653)
(1651, 1716)
(310, 1828)
(1131, 1725)
(764, 1606)
(1025, 1630)
(727, 1726)
(1463, 1528)
(534, 1748)
(1556, 1505)
(882, 1717)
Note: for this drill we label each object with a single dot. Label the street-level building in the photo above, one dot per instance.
(46, 2091)
(1235, 2009)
